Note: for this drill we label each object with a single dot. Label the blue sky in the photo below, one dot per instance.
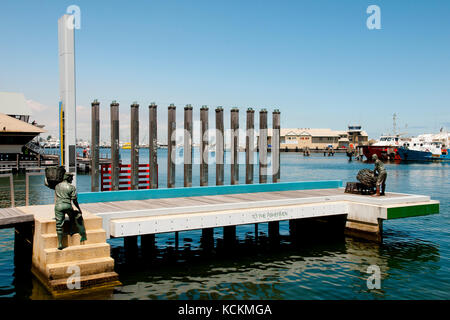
(314, 60)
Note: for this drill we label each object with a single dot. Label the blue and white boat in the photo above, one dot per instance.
(417, 155)
(425, 148)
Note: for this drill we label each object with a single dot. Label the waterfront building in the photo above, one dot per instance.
(16, 133)
(301, 138)
(357, 136)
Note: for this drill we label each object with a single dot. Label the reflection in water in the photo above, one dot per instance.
(414, 257)
(332, 270)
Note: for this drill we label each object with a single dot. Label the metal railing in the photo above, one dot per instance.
(124, 177)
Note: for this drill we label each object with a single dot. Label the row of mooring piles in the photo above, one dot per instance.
(229, 232)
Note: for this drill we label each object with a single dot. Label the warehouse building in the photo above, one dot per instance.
(302, 138)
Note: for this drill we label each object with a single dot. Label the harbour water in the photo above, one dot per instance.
(414, 257)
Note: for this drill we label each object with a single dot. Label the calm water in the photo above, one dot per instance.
(414, 256)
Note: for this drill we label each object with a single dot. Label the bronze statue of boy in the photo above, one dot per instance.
(65, 194)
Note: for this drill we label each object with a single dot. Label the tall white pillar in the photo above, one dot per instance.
(67, 91)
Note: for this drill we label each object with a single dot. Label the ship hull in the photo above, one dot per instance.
(383, 152)
(414, 155)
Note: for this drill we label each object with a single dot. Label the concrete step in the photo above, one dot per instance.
(77, 253)
(87, 267)
(104, 279)
(90, 222)
(50, 240)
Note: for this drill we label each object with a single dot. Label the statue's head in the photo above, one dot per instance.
(68, 176)
(374, 157)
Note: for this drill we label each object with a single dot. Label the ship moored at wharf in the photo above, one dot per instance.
(428, 147)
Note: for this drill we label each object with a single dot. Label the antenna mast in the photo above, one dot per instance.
(395, 123)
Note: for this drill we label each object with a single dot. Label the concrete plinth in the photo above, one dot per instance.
(365, 230)
(89, 264)
(364, 222)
